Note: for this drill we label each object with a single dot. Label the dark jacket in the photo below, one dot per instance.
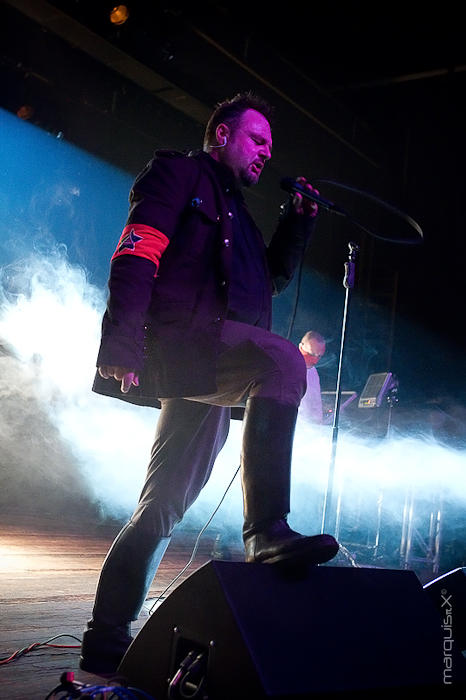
(168, 327)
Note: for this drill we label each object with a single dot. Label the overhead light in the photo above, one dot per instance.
(25, 112)
(119, 14)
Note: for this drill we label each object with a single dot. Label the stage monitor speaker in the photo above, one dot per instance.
(264, 632)
(448, 593)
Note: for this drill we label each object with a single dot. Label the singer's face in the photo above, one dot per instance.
(248, 148)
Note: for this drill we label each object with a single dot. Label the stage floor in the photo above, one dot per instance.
(48, 578)
(47, 585)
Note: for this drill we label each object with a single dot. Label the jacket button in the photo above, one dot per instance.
(218, 217)
(231, 215)
(196, 202)
(223, 283)
(226, 242)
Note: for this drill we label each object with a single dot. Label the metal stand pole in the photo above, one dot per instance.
(348, 283)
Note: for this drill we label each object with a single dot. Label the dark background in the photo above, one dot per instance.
(368, 96)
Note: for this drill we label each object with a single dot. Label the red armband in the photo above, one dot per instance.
(143, 241)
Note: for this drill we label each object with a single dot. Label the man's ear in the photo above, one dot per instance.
(222, 134)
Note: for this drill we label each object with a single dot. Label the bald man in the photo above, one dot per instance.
(312, 348)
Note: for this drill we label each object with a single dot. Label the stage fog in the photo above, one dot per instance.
(70, 455)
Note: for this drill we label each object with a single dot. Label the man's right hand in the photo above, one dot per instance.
(126, 376)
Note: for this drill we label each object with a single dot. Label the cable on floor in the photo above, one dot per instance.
(37, 645)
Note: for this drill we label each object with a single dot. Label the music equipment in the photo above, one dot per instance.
(237, 631)
(376, 389)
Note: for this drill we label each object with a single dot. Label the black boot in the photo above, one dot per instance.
(266, 474)
(125, 579)
(103, 647)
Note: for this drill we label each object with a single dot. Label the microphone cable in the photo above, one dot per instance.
(196, 544)
(383, 221)
(296, 297)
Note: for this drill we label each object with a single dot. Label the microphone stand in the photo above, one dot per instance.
(292, 186)
(348, 283)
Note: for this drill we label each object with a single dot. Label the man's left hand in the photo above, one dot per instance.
(303, 205)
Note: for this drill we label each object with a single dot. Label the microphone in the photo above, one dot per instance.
(291, 186)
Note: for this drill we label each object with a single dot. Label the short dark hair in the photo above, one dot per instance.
(230, 111)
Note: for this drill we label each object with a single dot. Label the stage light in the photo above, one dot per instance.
(25, 112)
(119, 14)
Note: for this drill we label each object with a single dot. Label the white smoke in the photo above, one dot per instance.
(50, 319)
(50, 326)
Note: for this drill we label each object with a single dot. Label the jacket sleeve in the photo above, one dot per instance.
(157, 200)
(288, 246)
(130, 289)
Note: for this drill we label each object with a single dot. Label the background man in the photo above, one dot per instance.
(187, 323)
(312, 348)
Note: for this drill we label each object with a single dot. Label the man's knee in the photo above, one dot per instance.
(293, 369)
(286, 382)
(153, 520)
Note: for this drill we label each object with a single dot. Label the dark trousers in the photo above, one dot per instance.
(190, 434)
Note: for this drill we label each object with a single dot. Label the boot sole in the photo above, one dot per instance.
(306, 555)
(106, 670)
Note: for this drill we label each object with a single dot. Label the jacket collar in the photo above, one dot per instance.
(222, 172)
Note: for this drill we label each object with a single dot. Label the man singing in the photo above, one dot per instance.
(187, 327)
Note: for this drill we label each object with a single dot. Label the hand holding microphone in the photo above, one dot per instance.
(300, 186)
(389, 216)
(302, 204)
